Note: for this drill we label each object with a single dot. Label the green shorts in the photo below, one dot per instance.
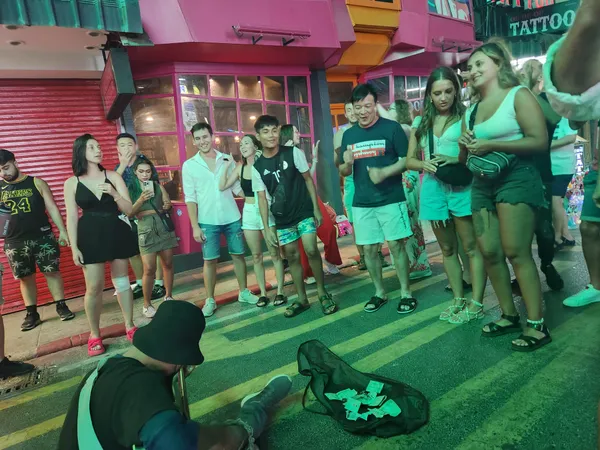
(522, 184)
(590, 212)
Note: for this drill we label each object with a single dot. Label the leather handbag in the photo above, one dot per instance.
(165, 218)
(453, 174)
(491, 166)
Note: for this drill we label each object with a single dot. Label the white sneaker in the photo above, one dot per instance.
(331, 269)
(247, 297)
(586, 297)
(169, 299)
(209, 308)
(310, 280)
(149, 312)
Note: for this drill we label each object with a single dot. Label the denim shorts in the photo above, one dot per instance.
(441, 201)
(211, 249)
(590, 212)
(522, 184)
(291, 234)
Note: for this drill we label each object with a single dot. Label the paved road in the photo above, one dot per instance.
(483, 396)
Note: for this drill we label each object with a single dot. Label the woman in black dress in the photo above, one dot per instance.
(102, 234)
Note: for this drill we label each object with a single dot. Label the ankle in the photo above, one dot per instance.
(31, 309)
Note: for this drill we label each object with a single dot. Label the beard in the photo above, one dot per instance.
(13, 177)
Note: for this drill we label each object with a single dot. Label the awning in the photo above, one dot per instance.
(110, 15)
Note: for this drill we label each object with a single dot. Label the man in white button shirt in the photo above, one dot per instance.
(214, 212)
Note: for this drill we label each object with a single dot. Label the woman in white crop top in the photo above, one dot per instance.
(510, 120)
(447, 207)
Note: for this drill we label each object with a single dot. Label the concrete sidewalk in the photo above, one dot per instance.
(54, 336)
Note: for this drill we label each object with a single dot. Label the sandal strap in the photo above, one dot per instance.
(376, 301)
(536, 325)
(513, 319)
(476, 303)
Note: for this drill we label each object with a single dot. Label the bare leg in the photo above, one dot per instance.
(149, 261)
(278, 265)
(210, 277)
(55, 285)
(464, 258)
(292, 254)
(28, 290)
(159, 268)
(487, 233)
(2, 353)
(398, 252)
(166, 259)
(118, 269)
(464, 226)
(137, 266)
(309, 241)
(239, 267)
(94, 285)
(446, 237)
(254, 241)
(590, 237)
(373, 263)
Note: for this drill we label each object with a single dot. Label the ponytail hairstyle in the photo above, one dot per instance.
(430, 111)
(530, 74)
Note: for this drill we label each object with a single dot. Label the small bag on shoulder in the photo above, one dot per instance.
(453, 174)
(491, 166)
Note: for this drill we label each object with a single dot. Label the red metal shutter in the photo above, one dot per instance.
(39, 120)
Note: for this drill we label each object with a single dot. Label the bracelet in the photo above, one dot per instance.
(249, 444)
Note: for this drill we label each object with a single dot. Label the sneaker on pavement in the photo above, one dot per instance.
(32, 320)
(583, 298)
(553, 278)
(158, 292)
(138, 292)
(331, 269)
(63, 311)
(275, 390)
(310, 280)
(149, 312)
(14, 368)
(247, 297)
(169, 299)
(209, 308)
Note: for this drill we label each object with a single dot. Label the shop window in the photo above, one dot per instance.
(278, 111)
(274, 88)
(423, 86)
(163, 85)
(225, 116)
(297, 90)
(249, 88)
(339, 92)
(153, 115)
(382, 86)
(249, 112)
(171, 181)
(193, 84)
(162, 150)
(222, 86)
(300, 117)
(229, 145)
(306, 147)
(399, 88)
(413, 89)
(194, 110)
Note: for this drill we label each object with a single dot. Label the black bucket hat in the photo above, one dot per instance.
(174, 334)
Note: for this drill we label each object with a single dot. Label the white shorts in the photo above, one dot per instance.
(382, 223)
(251, 219)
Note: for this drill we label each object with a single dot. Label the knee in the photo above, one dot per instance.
(312, 252)
(589, 230)
(470, 248)
(371, 251)
(396, 246)
(94, 289)
(292, 255)
(517, 255)
(257, 258)
(167, 265)
(492, 255)
(149, 270)
(448, 250)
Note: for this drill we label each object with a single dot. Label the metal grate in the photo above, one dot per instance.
(13, 387)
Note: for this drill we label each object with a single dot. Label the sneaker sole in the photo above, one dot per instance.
(251, 396)
(582, 304)
(65, 318)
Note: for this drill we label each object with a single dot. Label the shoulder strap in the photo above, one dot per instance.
(473, 116)
(430, 139)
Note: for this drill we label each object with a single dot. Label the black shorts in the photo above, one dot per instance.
(560, 183)
(23, 256)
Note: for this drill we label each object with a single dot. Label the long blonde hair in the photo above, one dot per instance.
(530, 74)
(497, 51)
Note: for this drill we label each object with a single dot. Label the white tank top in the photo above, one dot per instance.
(503, 125)
(446, 144)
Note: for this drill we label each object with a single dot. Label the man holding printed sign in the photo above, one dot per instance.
(374, 152)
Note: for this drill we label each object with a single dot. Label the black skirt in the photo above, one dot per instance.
(105, 237)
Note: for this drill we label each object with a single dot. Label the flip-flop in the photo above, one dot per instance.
(95, 342)
(377, 303)
(295, 308)
(262, 301)
(411, 302)
(279, 300)
(328, 306)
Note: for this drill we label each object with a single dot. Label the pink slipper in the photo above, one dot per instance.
(95, 342)
(130, 334)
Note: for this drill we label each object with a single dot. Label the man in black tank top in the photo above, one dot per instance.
(29, 240)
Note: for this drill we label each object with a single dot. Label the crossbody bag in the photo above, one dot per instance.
(453, 174)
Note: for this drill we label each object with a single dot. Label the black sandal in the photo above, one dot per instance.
(262, 301)
(411, 302)
(279, 300)
(328, 306)
(533, 343)
(376, 303)
(499, 330)
(295, 308)
(467, 287)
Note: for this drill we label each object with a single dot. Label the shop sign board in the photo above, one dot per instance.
(527, 4)
(456, 9)
(557, 18)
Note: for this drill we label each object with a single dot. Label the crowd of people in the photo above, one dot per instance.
(493, 178)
